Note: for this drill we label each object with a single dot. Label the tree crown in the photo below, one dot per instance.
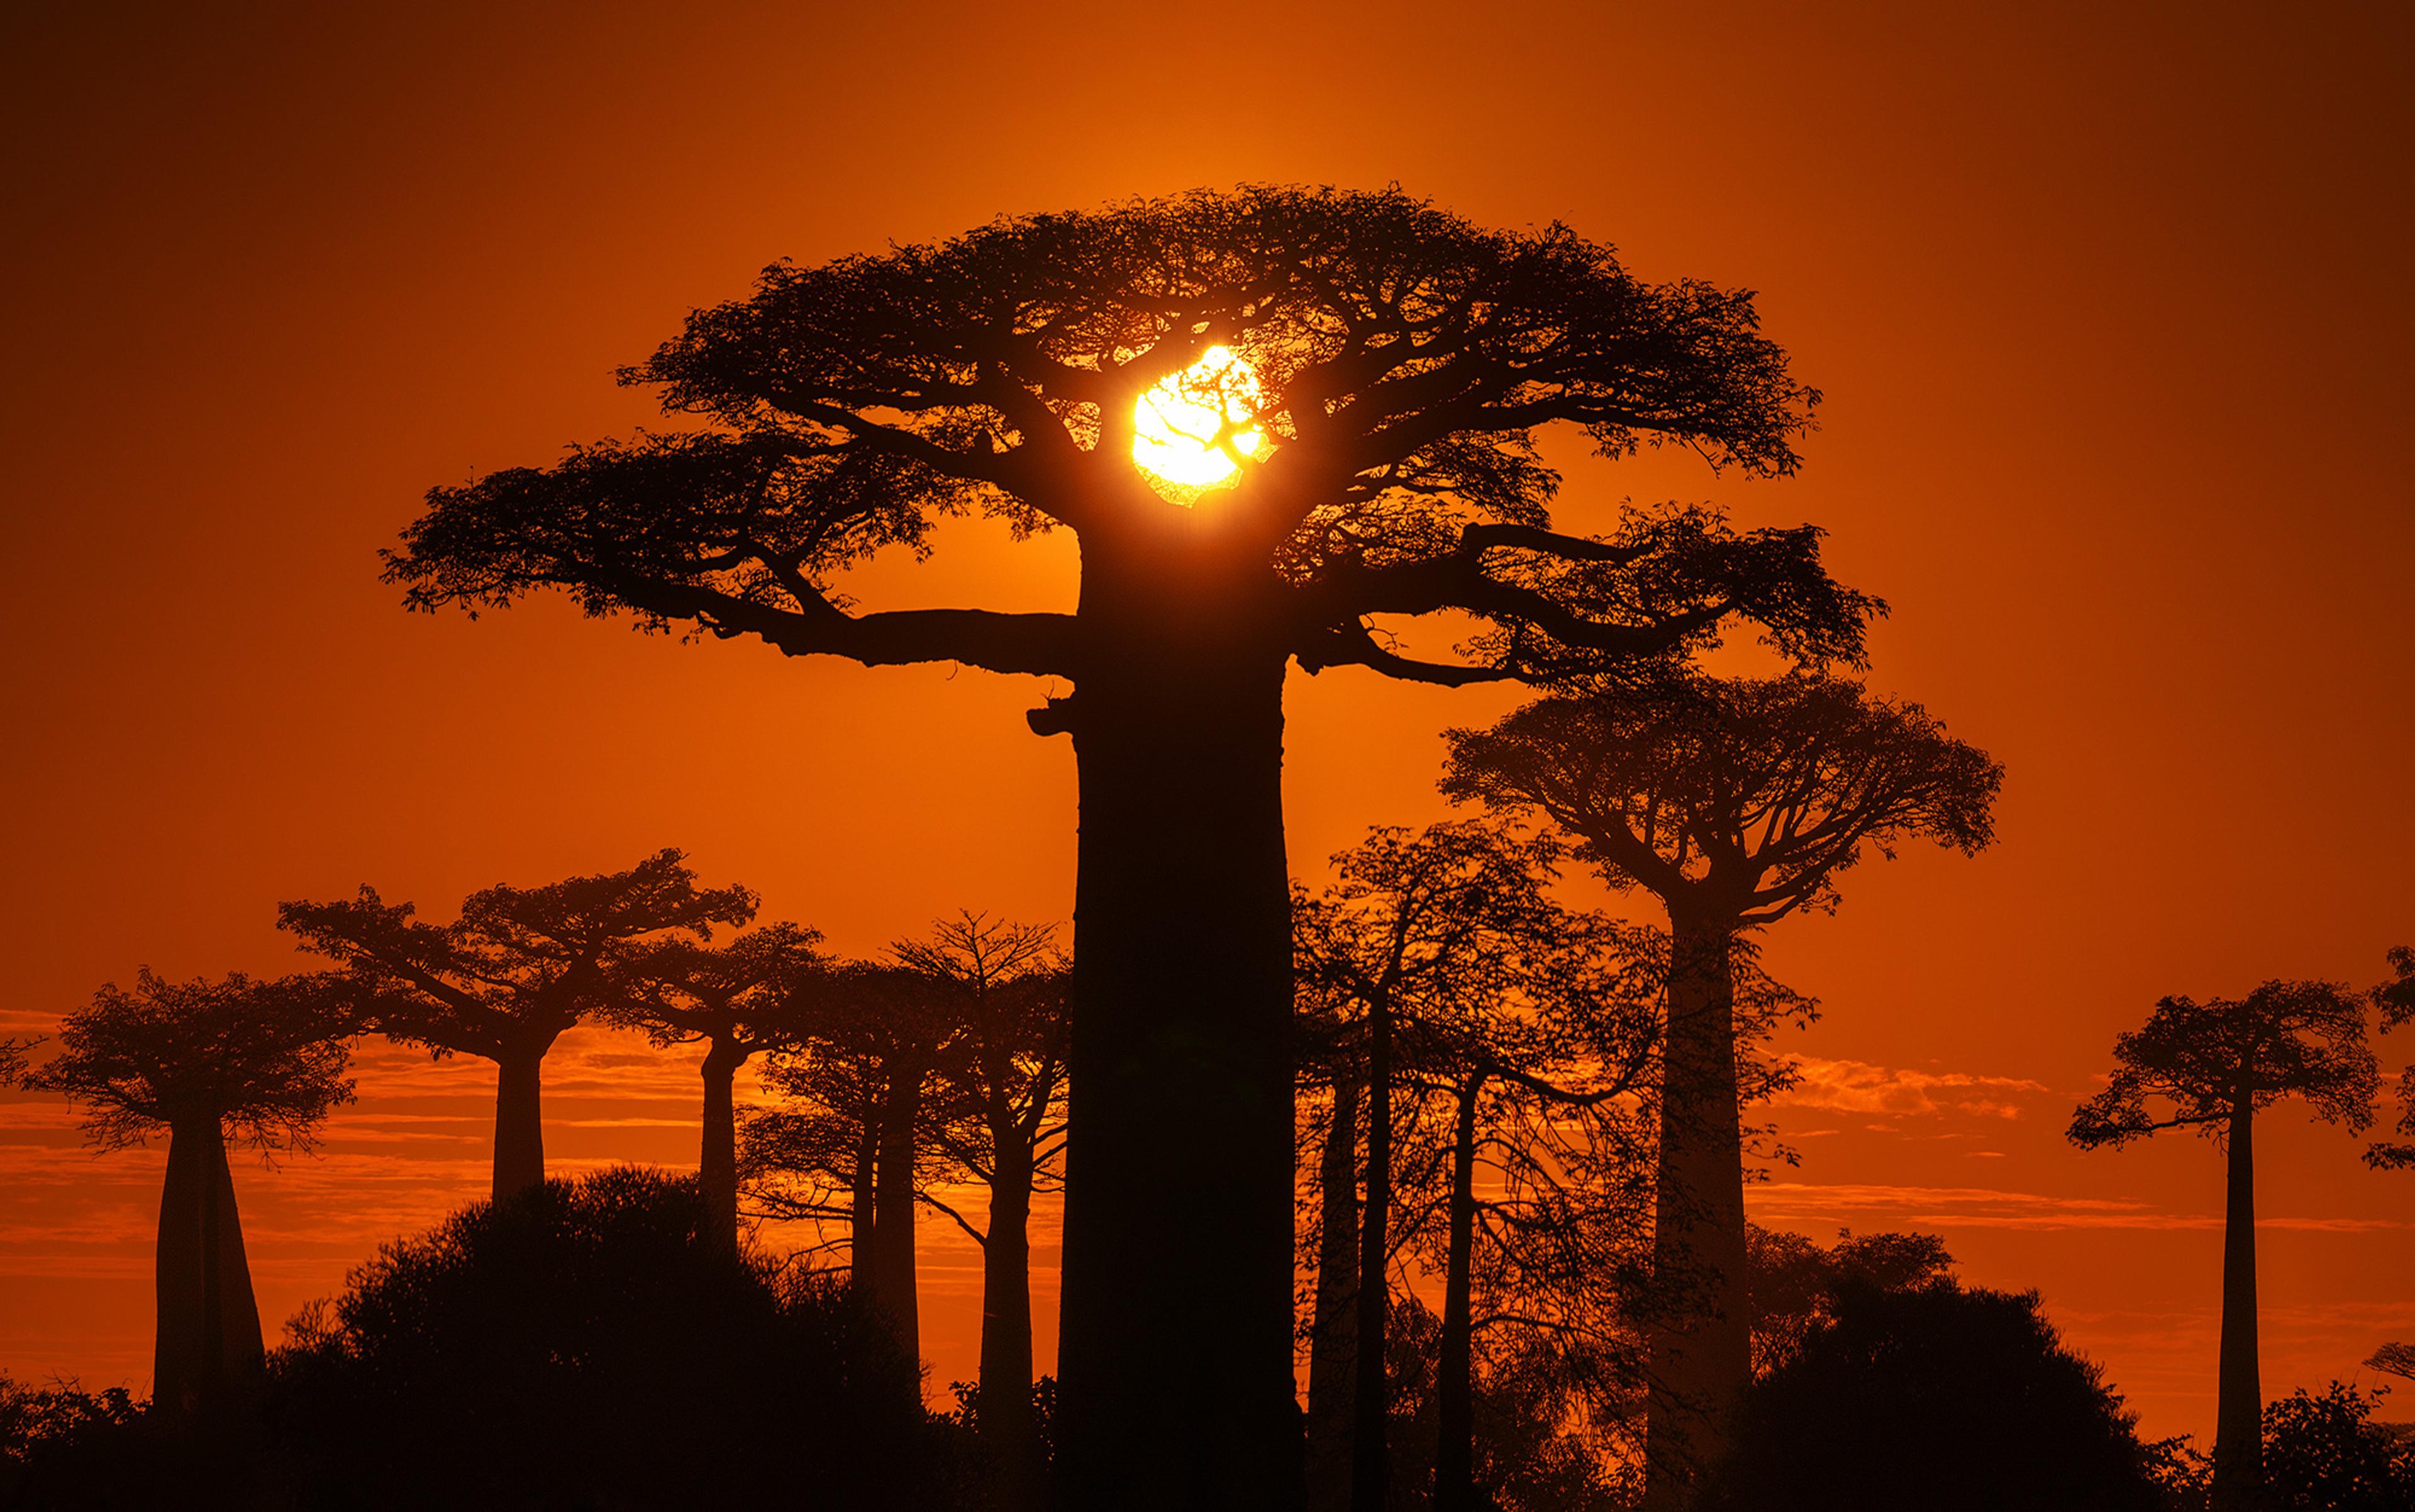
(1748, 796)
(261, 1060)
(752, 993)
(2206, 1061)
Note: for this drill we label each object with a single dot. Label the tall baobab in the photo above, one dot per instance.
(2397, 1000)
(505, 980)
(2212, 1066)
(259, 1063)
(1268, 417)
(1735, 802)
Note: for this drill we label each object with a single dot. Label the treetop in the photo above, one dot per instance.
(2204, 1061)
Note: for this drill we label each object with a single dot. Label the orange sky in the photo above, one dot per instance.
(2109, 312)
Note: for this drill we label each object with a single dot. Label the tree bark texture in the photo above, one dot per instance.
(2239, 1405)
(1176, 1354)
(716, 1165)
(1455, 1368)
(1333, 1326)
(1700, 1349)
(519, 1125)
(208, 1324)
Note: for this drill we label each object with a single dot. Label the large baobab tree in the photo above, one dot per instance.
(257, 1062)
(1337, 395)
(1735, 802)
(2212, 1066)
(1001, 1087)
(510, 976)
(2397, 1000)
(739, 999)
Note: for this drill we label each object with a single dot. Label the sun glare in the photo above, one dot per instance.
(1194, 427)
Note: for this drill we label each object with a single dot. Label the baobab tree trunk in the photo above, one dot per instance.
(716, 1163)
(1006, 1415)
(862, 1202)
(208, 1324)
(1700, 1346)
(1333, 1326)
(1369, 1457)
(2239, 1406)
(520, 1124)
(1455, 1368)
(1176, 1352)
(887, 1269)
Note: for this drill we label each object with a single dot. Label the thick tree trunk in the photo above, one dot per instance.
(889, 1269)
(716, 1163)
(1371, 1396)
(1333, 1326)
(2239, 1404)
(1455, 1373)
(1006, 1415)
(1175, 1354)
(208, 1324)
(1702, 1347)
(519, 1125)
(861, 1203)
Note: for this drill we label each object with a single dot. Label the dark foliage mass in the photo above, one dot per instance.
(1934, 1397)
(2325, 1454)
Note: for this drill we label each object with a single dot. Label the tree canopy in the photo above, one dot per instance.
(2397, 1000)
(2202, 1062)
(263, 1060)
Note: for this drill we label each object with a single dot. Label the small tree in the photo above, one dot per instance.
(2397, 1000)
(258, 1062)
(1000, 1090)
(741, 999)
(1372, 371)
(504, 980)
(2212, 1066)
(1735, 803)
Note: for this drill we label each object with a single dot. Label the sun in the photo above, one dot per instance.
(1194, 427)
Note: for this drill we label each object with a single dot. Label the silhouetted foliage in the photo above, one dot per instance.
(2397, 1000)
(1405, 359)
(55, 1442)
(1735, 802)
(2325, 1454)
(588, 1344)
(2214, 1065)
(1530, 1450)
(505, 980)
(260, 1062)
(1927, 1398)
(1795, 1283)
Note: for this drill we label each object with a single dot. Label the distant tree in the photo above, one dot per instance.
(2213, 1066)
(258, 1062)
(1912, 1400)
(2325, 1454)
(1796, 1282)
(2397, 1000)
(1331, 1096)
(1000, 1087)
(504, 980)
(1735, 803)
(1378, 445)
(13, 1059)
(864, 1145)
(741, 999)
(2393, 1359)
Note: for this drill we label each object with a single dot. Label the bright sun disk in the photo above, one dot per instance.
(1193, 425)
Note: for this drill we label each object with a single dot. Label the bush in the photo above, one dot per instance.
(2325, 1454)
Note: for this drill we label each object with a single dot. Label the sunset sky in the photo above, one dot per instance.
(2111, 312)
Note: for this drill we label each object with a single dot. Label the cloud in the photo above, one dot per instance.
(1858, 1086)
(1990, 1207)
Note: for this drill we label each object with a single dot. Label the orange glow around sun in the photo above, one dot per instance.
(1194, 427)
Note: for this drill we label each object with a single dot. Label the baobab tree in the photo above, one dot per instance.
(1735, 802)
(2397, 1000)
(259, 1063)
(1269, 416)
(1000, 1088)
(739, 999)
(2210, 1067)
(504, 980)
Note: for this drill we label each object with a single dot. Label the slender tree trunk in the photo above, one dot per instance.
(890, 1267)
(520, 1124)
(1702, 1346)
(2239, 1407)
(861, 1203)
(208, 1323)
(1369, 1457)
(716, 1165)
(1176, 1354)
(1333, 1327)
(1455, 1375)
(1006, 1415)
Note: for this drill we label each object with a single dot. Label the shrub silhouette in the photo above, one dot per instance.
(1936, 1397)
(2325, 1454)
(585, 1346)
